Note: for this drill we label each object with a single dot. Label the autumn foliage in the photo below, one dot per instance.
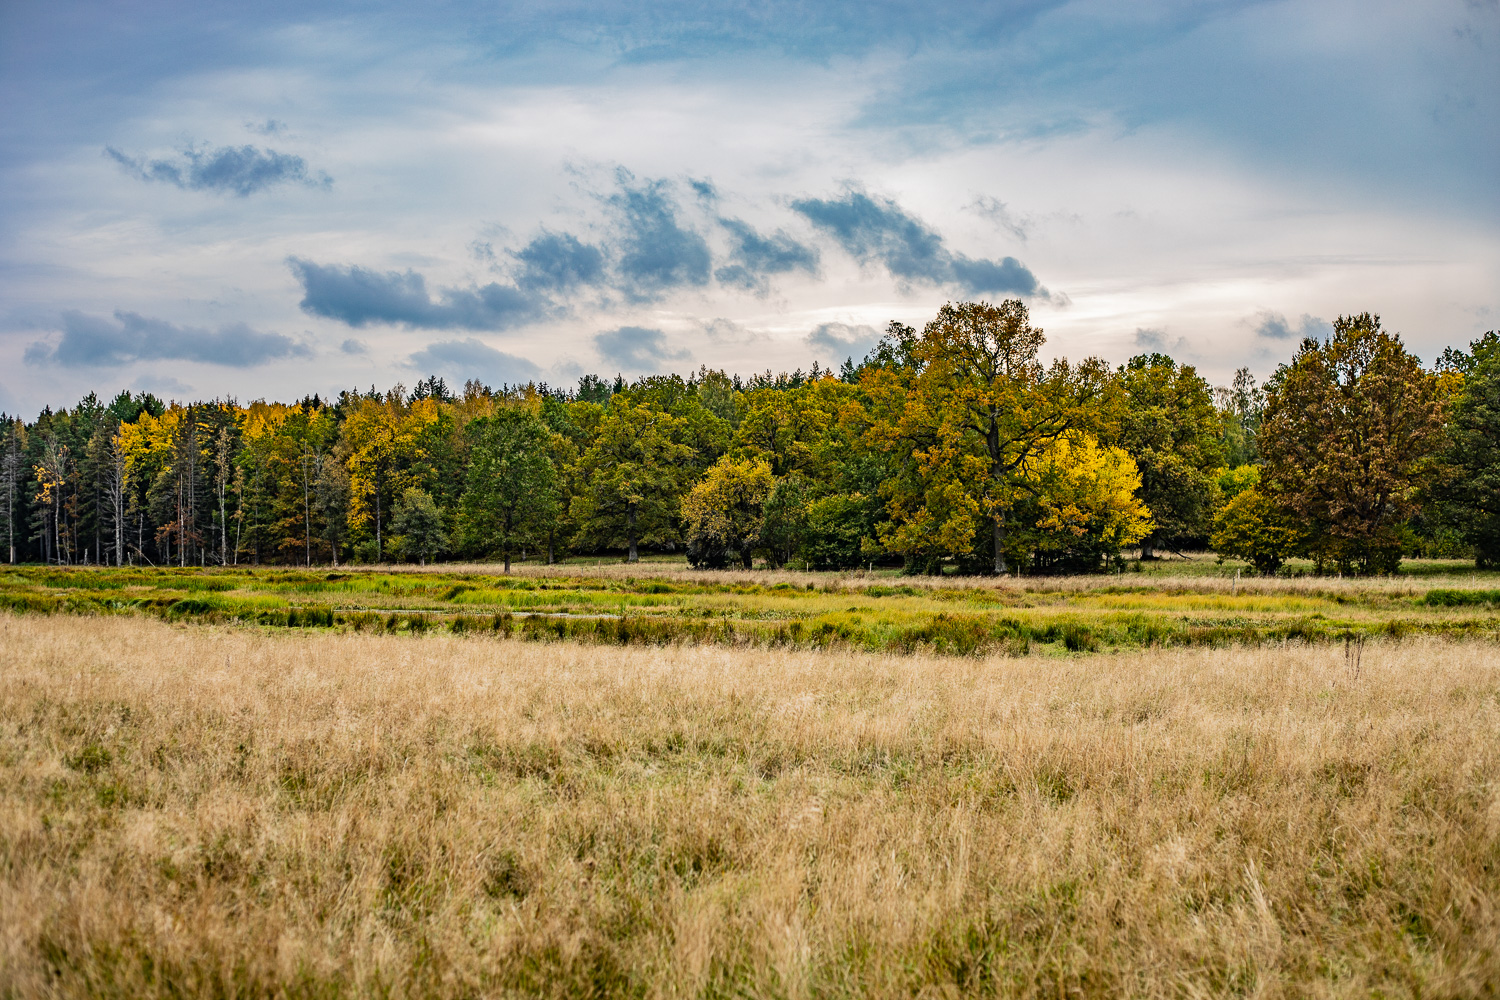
(951, 448)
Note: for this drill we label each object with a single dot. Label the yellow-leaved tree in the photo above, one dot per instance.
(723, 515)
(1081, 507)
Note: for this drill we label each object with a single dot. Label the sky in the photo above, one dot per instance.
(267, 200)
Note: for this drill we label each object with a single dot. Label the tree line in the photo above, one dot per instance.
(954, 448)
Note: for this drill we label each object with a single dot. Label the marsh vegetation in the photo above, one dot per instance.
(668, 603)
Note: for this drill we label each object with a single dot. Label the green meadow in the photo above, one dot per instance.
(1186, 603)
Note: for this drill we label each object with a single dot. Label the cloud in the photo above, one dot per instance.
(996, 211)
(93, 341)
(754, 257)
(241, 170)
(727, 331)
(880, 231)
(656, 253)
(352, 346)
(1155, 341)
(270, 126)
(162, 385)
(839, 341)
(357, 296)
(470, 358)
(1274, 326)
(636, 348)
(558, 262)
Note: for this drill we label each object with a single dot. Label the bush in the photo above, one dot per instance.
(1253, 528)
(836, 528)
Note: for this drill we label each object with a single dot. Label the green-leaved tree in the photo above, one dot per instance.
(419, 523)
(1173, 432)
(511, 495)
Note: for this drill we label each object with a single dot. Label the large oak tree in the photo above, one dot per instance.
(977, 412)
(1350, 429)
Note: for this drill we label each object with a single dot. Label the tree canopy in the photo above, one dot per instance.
(955, 448)
(1350, 430)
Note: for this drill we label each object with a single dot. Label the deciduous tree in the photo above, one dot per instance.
(631, 479)
(1253, 527)
(725, 513)
(979, 411)
(1170, 428)
(419, 523)
(1080, 506)
(512, 486)
(1350, 430)
(1469, 494)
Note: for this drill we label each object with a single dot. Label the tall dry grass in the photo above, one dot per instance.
(188, 812)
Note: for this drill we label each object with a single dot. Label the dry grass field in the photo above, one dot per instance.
(193, 810)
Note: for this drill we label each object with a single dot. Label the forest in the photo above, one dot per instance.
(953, 449)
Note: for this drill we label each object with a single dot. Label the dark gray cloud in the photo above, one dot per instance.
(879, 231)
(838, 341)
(636, 348)
(240, 170)
(657, 254)
(1004, 276)
(352, 346)
(753, 257)
(1275, 326)
(358, 296)
(556, 262)
(470, 358)
(94, 341)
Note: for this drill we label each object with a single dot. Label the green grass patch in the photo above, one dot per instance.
(1061, 617)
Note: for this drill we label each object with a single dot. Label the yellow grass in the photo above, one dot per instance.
(194, 811)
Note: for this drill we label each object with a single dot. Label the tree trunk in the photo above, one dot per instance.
(630, 532)
(379, 557)
(508, 525)
(1000, 568)
(306, 512)
(1148, 551)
